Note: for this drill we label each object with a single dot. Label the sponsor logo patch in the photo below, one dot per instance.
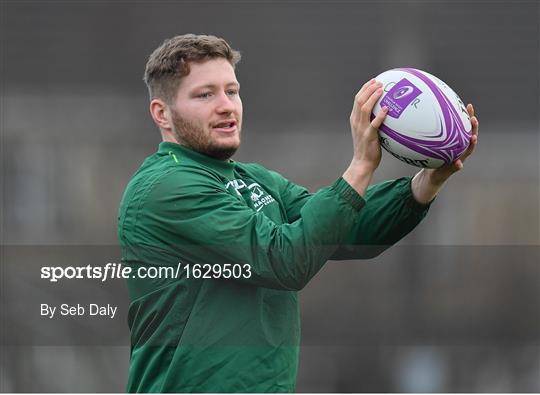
(257, 194)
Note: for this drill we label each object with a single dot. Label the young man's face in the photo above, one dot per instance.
(207, 112)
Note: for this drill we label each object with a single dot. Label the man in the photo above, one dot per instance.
(246, 238)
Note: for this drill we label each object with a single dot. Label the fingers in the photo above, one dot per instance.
(474, 120)
(475, 125)
(452, 168)
(363, 105)
(457, 165)
(473, 142)
(470, 110)
(367, 108)
(365, 86)
(474, 137)
(470, 149)
(363, 95)
(447, 170)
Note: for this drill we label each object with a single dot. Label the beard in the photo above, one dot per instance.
(194, 136)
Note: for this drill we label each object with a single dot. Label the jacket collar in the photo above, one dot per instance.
(177, 151)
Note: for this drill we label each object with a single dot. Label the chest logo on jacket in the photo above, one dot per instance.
(258, 196)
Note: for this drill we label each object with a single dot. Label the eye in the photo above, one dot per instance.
(204, 95)
(232, 92)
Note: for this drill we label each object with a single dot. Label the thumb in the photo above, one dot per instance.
(378, 120)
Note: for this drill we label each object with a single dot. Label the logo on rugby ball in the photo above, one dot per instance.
(399, 97)
(402, 92)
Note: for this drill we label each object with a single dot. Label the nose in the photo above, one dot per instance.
(225, 104)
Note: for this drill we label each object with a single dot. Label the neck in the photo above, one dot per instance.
(168, 137)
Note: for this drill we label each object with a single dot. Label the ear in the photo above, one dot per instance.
(161, 114)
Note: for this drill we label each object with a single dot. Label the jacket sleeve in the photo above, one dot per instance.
(389, 214)
(206, 224)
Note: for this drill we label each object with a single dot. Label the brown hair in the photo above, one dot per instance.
(169, 63)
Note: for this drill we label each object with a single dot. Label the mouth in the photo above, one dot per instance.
(227, 126)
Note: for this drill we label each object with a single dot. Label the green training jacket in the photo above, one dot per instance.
(241, 240)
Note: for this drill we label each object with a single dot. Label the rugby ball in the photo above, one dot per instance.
(427, 124)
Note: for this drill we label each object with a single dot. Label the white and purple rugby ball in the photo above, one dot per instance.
(427, 124)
